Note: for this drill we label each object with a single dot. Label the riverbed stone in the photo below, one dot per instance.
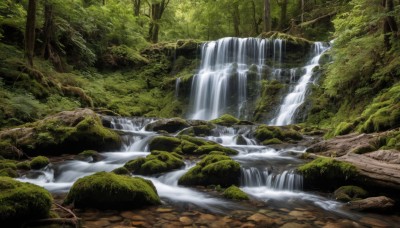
(185, 220)
(169, 125)
(376, 204)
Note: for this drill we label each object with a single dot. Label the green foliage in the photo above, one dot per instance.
(39, 162)
(349, 193)
(111, 191)
(23, 201)
(235, 193)
(213, 169)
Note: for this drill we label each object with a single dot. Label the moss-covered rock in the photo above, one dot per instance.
(24, 165)
(65, 132)
(89, 154)
(213, 169)
(349, 193)
(121, 171)
(169, 125)
(327, 173)
(111, 191)
(264, 132)
(9, 151)
(164, 143)
(156, 162)
(199, 130)
(235, 193)
(226, 120)
(272, 141)
(216, 147)
(8, 168)
(22, 201)
(39, 162)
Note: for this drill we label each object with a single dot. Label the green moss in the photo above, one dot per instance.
(225, 120)
(216, 147)
(8, 172)
(25, 165)
(169, 125)
(197, 141)
(39, 162)
(7, 150)
(349, 193)
(164, 143)
(363, 149)
(343, 128)
(235, 193)
(272, 141)
(156, 162)
(111, 191)
(23, 201)
(214, 169)
(121, 171)
(270, 97)
(264, 132)
(327, 172)
(87, 154)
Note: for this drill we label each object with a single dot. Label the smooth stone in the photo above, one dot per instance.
(171, 225)
(168, 216)
(138, 218)
(163, 210)
(127, 214)
(302, 215)
(379, 203)
(342, 224)
(206, 218)
(186, 221)
(247, 225)
(374, 222)
(140, 224)
(115, 218)
(260, 218)
(296, 225)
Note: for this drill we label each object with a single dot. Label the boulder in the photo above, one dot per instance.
(349, 193)
(111, 191)
(39, 162)
(156, 162)
(8, 168)
(169, 125)
(225, 120)
(213, 169)
(65, 132)
(374, 204)
(263, 133)
(164, 143)
(235, 193)
(22, 201)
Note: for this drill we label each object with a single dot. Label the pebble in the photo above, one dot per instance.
(185, 220)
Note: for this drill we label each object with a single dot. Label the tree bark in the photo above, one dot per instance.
(30, 32)
(282, 20)
(389, 25)
(236, 18)
(136, 7)
(267, 16)
(255, 24)
(157, 10)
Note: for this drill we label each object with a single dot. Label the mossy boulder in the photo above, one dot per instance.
(89, 155)
(349, 193)
(65, 132)
(121, 171)
(235, 193)
(156, 162)
(264, 132)
(199, 130)
(8, 168)
(327, 173)
(272, 141)
(164, 143)
(225, 120)
(9, 151)
(111, 191)
(215, 169)
(169, 125)
(22, 201)
(24, 165)
(39, 162)
(206, 149)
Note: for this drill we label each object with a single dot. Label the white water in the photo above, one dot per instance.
(221, 85)
(297, 95)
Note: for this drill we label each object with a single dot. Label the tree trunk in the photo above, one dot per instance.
(157, 10)
(30, 32)
(255, 24)
(282, 20)
(267, 16)
(236, 18)
(136, 7)
(389, 25)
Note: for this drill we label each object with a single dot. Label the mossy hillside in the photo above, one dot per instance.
(39, 162)
(271, 92)
(156, 162)
(111, 191)
(23, 201)
(327, 173)
(264, 133)
(214, 169)
(235, 193)
(65, 132)
(349, 193)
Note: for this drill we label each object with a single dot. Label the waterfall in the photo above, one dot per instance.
(287, 180)
(296, 96)
(221, 84)
(177, 82)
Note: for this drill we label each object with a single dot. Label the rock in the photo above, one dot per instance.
(164, 143)
(349, 193)
(111, 191)
(65, 132)
(39, 162)
(235, 193)
(9, 151)
(302, 215)
(24, 165)
(327, 173)
(164, 210)
(342, 223)
(89, 155)
(213, 169)
(375, 204)
(271, 134)
(8, 168)
(225, 120)
(216, 147)
(169, 125)
(23, 201)
(261, 219)
(186, 221)
(372, 222)
(121, 171)
(156, 162)
(295, 225)
(388, 156)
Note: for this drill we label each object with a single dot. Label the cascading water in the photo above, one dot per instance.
(296, 96)
(221, 85)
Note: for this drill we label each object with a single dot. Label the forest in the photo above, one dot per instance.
(215, 113)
